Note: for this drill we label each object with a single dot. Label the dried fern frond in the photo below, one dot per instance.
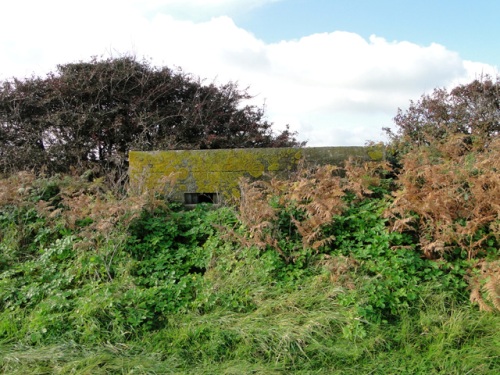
(311, 198)
(454, 194)
(15, 188)
(362, 176)
(485, 286)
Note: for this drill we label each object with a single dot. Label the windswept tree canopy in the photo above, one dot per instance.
(470, 111)
(93, 113)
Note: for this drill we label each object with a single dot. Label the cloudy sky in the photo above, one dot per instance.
(336, 71)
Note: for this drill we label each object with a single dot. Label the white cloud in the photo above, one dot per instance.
(211, 3)
(334, 88)
(199, 10)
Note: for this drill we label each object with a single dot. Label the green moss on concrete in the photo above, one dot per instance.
(219, 171)
(204, 171)
(376, 152)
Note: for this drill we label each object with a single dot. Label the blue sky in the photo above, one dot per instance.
(336, 71)
(469, 27)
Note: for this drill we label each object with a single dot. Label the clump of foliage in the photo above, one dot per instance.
(448, 151)
(92, 281)
(90, 114)
(285, 212)
(468, 110)
(336, 220)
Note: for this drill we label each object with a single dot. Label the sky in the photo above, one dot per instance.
(335, 71)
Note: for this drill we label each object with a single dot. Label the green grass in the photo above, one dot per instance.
(296, 333)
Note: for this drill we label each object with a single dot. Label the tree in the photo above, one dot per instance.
(471, 110)
(92, 113)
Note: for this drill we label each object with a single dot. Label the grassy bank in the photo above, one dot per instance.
(93, 283)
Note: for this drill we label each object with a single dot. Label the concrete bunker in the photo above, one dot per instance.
(212, 176)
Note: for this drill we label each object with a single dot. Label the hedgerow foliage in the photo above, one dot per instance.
(209, 287)
(448, 192)
(338, 220)
(90, 114)
(444, 199)
(454, 190)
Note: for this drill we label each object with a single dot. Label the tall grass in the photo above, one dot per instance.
(283, 336)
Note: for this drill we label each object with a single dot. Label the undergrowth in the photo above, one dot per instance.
(308, 275)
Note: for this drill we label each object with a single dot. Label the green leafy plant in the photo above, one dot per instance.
(171, 258)
(389, 273)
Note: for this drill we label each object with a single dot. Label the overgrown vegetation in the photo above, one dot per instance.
(381, 268)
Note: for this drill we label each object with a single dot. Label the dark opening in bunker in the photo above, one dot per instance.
(195, 198)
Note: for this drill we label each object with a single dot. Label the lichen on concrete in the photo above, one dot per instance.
(219, 171)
